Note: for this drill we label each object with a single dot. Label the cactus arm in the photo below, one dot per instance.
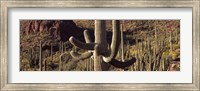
(87, 36)
(85, 55)
(81, 45)
(115, 41)
(77, 56)
(115, 38)
(122, 65)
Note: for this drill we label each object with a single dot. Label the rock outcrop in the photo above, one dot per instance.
(56, 28)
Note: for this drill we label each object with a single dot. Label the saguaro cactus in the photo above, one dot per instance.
(40, 60)
(100, 48)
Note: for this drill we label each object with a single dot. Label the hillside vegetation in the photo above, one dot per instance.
(44, 45)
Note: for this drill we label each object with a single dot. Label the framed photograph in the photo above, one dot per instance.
(99, 45)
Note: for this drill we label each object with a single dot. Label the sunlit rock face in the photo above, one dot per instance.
(61, 29)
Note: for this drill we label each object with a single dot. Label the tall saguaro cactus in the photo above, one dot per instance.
(100, 48)
(40, 60)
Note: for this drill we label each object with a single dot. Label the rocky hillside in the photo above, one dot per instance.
(33, 31)
(54, 35)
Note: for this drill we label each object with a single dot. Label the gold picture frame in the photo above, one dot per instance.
(194, 4)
